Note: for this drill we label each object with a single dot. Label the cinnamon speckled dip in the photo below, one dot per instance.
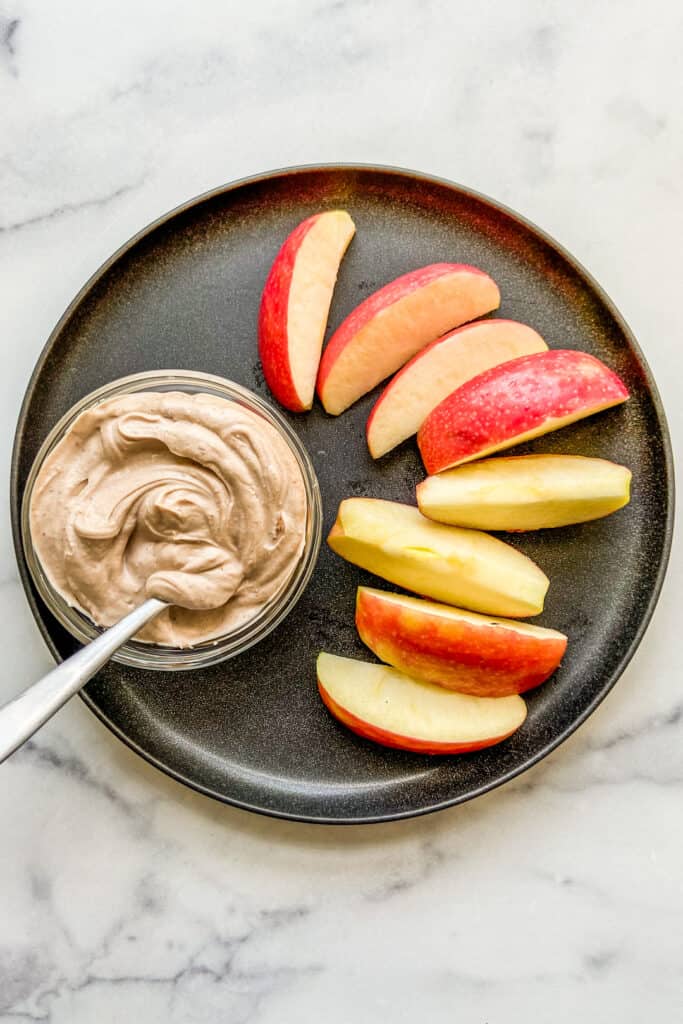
(189, 498)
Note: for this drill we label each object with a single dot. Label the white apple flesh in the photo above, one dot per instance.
(439, 369)
(394, 323)
(525, 492)
(295, 305)
(466, 568)
(388, 707)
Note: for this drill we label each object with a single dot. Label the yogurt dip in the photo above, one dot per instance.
(186, 497)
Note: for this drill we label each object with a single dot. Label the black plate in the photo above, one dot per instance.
(185, 293)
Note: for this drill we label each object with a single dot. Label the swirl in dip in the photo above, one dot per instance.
(188, 498)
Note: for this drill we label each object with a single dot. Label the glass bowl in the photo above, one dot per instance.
(156, 656)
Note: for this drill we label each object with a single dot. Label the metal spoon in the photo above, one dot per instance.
(21, 717)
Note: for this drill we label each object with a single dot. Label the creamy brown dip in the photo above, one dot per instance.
(189, 498)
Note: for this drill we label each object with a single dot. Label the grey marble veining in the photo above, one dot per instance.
(125, 897)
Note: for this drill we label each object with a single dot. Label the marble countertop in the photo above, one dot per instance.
(123, 896)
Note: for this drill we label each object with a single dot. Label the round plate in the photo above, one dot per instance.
(184, 293)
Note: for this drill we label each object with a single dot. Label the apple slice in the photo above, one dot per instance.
(397, 321)
(386, 706)
(470, 653)
(515, 402)
(525, 492)
(439, 369)
(462, 567)
(295, 305)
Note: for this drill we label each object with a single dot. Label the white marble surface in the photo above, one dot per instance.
(124, 897)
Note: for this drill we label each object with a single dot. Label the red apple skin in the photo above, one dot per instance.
(272, 319)
(512, 402)
(380, 300)
(391, 739)
(482, 660)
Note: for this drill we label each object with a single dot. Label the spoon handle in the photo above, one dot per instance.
(20, 718)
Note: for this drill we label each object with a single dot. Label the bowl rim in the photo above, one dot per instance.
(159, 657)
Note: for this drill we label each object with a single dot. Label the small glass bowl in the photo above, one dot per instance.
(156, 656)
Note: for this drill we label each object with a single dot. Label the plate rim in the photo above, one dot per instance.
(496, 207)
